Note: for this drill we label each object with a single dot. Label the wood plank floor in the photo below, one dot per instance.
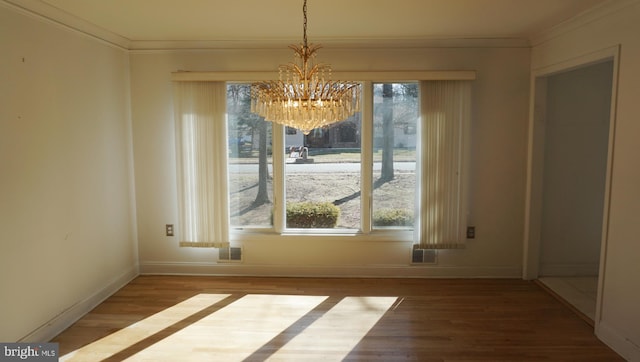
(182, 318)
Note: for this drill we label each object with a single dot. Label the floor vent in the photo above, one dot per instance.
(230, 255)
(423, 256)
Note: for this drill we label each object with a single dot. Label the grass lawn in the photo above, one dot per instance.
(341, 188)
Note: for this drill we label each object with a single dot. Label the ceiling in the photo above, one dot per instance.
(328, 20)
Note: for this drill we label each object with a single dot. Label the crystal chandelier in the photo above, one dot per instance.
(305, 97)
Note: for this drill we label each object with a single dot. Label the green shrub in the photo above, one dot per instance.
(312, 215)
(393, 217)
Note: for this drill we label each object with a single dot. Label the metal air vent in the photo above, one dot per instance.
(423, 256)
(230, 255)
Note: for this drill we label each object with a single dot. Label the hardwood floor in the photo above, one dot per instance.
(181, 318)
(579, 292)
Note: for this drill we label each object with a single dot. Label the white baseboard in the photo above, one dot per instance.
(379, 271)
(628, 349)
(65, 319)
(569, 270)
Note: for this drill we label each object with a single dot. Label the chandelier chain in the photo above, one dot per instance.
(304, 24)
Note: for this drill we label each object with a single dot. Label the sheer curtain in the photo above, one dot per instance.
(445, 114)
(201, 147)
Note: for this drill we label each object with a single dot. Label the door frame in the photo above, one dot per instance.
(535, 161)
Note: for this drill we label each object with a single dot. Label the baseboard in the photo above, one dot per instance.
(569, 270)
(65, 319)
(373, 271)
(617, 342)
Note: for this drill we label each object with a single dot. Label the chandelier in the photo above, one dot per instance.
(305, 97)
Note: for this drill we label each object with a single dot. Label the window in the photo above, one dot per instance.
(404, 152)
(395, 108)
(330, 173)
(249, 161)
(325, 166)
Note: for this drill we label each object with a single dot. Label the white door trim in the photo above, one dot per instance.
(537, 110)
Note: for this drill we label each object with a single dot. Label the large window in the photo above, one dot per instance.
(325, 167)
(394, 171)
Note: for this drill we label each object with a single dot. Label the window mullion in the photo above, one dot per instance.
(366, 157)
(278, 178)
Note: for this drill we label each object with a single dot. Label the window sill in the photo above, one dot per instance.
(390, 235)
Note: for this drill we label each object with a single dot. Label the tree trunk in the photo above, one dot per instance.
(263, 171)
(386, 173)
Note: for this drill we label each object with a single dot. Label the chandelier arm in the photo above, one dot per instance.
(314, 70)
(299, 71)
(298, 49)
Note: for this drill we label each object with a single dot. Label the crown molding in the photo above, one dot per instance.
(590, 15)
(333, 43)
(376, 76)
(52, 15)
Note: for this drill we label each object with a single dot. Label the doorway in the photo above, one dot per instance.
(569, 167)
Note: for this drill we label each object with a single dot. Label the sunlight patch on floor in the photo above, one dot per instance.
(346, 324)
(124, 338)
(247, 327)
(234, 332)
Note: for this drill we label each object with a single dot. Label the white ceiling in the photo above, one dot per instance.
(328, 20)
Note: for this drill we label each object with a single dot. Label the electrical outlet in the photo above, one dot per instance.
(471, 232)
(168, 229)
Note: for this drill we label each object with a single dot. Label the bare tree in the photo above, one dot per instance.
(263, 171)
(388, 133)
(240, 95)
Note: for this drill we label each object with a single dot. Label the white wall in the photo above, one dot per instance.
(497, 177)
(619, 319)
(66, 207)
(575, 166)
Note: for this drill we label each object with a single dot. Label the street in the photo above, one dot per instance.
(291, 168)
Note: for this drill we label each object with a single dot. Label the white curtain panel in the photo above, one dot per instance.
(201, 147)
(445, 116)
